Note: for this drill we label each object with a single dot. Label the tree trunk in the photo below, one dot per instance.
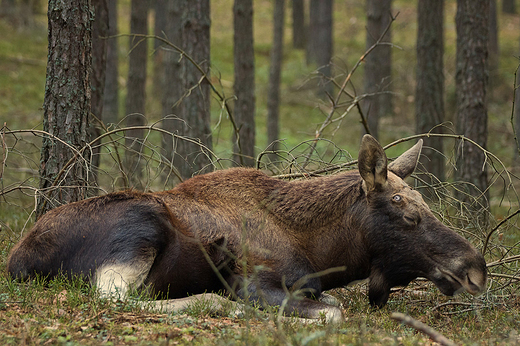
(97, 79)
(136, 90)
(273, 93)
(298, 25)
(516, 121)
(26, 13)
(320, 41)
(174, 89)
(160, 30)
(312, 41)
(244, 87)
(66, 105)
(19, 13)
(509, 6)
(429, 95)
(377, 65)
(493, 39)
(196, 108)
(99, 52)
(111, 94)
(8, 9)
(471, 83)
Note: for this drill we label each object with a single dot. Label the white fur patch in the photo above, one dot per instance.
(115, 280)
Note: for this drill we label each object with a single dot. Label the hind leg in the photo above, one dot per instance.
(114, 280)
(209, 302)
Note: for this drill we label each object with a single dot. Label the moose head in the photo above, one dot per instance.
(404, 237)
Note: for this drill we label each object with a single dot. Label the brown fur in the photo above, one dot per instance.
(264, 235)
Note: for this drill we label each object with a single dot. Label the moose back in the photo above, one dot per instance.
(260, 237)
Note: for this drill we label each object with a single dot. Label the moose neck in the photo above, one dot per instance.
(324, 216)
(314, 203)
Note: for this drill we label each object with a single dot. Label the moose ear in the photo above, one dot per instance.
(405, 164)
(372, 163)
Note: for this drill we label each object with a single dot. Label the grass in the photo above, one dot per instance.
(71, 312)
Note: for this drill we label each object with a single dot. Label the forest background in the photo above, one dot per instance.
(304, 108)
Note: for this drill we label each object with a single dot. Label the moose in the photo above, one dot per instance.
(261, 237)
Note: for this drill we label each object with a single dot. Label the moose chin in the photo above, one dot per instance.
(257, 239)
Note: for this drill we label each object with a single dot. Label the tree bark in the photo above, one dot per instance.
(312, 41)
(471, 83)
(429, 95)
(97, 80)
(18, 13)
(196, 108)
(8, 9)
(273, 94)
(66, 105)
(160, 30)
(493, 46)
(509, 6)
(136, 91)
(377, 65)
(244, 87)
(99, 53)
(26, 13)
(320, 41)
(298, 25)
(174, 89)
(111, 94)
(516, 120)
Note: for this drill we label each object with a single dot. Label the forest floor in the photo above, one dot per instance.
(67, 313)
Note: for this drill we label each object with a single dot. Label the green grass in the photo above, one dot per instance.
(71, 312)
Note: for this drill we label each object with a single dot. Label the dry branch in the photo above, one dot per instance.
(423, 328)
(355, 100)
(204, 77)
(504, 261)
(4, 151)
(497, 227)
(455, 304)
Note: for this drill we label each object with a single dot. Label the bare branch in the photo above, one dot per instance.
(355, 101)
(423, 328)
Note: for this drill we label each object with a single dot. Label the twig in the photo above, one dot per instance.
(459, 312)
(418, 325)
(504, 261)
(204, 77)
(453, 304)
(394, 143)
(515, 90)
(335, 101)
(78, 153)
(497, 227)
(505, 276)
(4, 150)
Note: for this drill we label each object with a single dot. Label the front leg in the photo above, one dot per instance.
(291, 301)
(378, 289)
(300, 305)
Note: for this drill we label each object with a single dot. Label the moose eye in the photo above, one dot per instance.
(397, 198)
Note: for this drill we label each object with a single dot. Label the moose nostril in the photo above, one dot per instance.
(472, 287)
(476, 281)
